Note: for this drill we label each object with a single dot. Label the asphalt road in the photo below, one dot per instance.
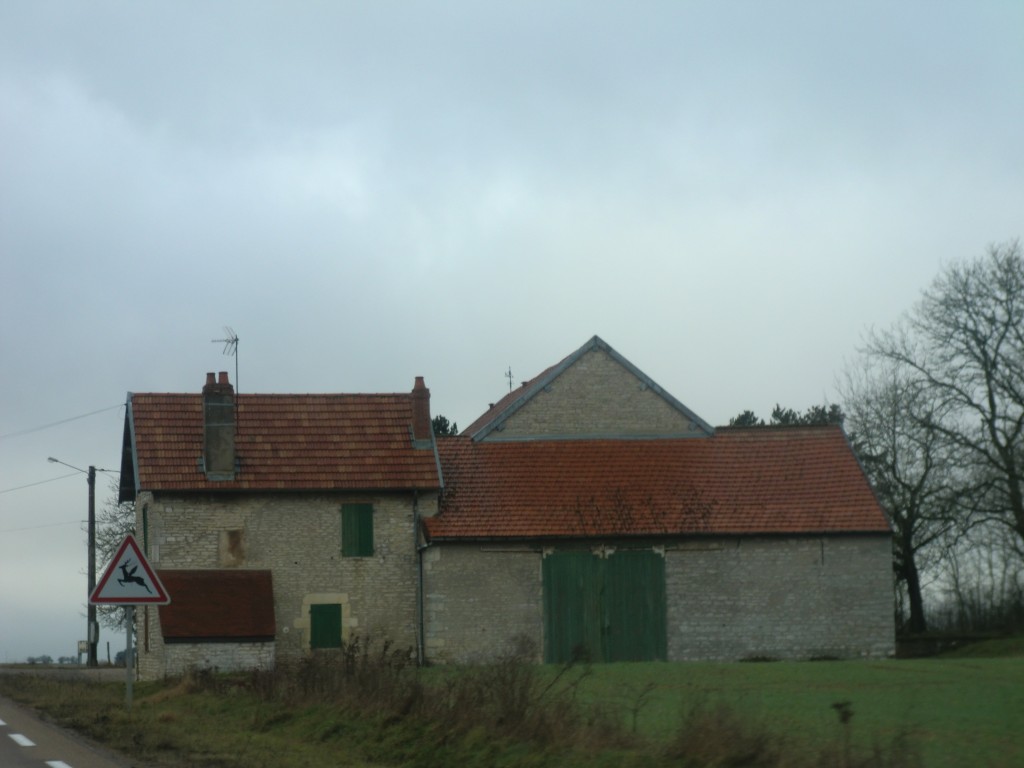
(28, 742)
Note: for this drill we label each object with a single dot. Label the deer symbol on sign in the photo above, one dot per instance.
(130, 577)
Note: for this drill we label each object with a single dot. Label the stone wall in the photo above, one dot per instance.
(480, 601)
(780, 598)
(179, 657)
(728, 599)
(596, 396)
(298, 537)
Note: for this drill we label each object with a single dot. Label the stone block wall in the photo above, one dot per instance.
(780, 598)
(727, 599)
(298, 537)
(179, 657)
(481, 600)
(596, 396)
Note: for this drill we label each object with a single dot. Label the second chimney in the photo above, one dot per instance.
(421, 425)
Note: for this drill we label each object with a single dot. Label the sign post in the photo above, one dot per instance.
(129, 659)
(122, 583)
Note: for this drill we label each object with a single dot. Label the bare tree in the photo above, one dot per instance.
(964, 343)
(114, 521)
(983, 584)
(912, 468)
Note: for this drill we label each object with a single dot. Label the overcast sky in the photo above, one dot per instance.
(728, 193)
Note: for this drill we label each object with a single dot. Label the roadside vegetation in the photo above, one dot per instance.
(370, 706)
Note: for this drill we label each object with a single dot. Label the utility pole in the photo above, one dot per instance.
(93, 636)
(92, 630)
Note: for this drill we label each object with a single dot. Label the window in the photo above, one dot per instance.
(325, 625)
(357, 530)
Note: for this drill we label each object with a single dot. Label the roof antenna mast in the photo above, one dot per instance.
(508, 375)
(230, 348)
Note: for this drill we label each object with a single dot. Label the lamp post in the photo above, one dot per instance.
(92, 628)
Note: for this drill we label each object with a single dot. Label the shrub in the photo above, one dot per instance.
(719, 736)
(370, 677)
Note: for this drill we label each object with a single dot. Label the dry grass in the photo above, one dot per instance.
(370, 705)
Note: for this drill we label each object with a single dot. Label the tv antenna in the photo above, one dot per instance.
(230, 348)
(508, 375)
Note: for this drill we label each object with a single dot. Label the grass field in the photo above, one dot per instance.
(956, 711)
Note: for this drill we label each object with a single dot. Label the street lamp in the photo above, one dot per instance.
(92, 629)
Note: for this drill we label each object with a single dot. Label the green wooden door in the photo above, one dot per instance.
(608, 609)
(635, 606)
(325, 625)
(572, 606)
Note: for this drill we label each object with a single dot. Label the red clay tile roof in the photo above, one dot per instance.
(495, 409)
(740, 481)
(284, 442)
(218, 605)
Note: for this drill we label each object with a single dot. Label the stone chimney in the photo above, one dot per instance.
(422, 428)
(219, 428)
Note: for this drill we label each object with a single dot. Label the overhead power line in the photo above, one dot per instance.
(59, 477)
(39, 482)
(37, 527)
(58, 423)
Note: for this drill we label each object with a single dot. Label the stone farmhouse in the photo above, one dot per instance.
(588, 512)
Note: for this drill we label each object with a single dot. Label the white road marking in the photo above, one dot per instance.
(24, 741)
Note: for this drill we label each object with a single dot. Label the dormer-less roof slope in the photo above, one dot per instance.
(283, 443)
(500, 411)
(792, 480)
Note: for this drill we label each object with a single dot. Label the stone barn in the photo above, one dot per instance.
(592, 513)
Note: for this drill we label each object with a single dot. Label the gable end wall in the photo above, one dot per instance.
(595, 396)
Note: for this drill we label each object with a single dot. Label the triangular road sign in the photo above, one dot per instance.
(129, 579)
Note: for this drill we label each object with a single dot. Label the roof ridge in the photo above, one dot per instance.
(277, 394)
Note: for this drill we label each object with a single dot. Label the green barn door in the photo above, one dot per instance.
(635, 605)
(612, 609)
(572, 606)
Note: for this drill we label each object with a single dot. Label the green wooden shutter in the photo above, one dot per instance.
(357, 530)
(325, 625)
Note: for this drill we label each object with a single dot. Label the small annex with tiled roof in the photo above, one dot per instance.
(284, 522)
(218, 605)
(590, 510)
